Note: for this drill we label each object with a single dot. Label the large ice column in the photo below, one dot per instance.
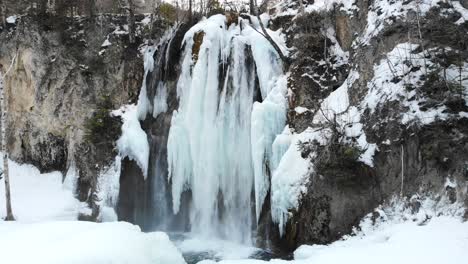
(268, 116)
(268, 120)
(217, 135)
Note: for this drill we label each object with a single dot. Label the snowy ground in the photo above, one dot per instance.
(46, 230)
(84, 242)
(434, 235)
(45, 233)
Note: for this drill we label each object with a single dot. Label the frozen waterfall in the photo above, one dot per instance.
(219, 144)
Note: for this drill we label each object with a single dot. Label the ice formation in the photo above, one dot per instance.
(144, 104)
(210, 146)
(133, 143)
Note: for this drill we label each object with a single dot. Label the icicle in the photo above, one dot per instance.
(144, 104)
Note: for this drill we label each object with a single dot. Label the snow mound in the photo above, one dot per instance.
(38, 197)
(84, 242)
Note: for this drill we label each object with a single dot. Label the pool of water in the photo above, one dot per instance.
(196, 249)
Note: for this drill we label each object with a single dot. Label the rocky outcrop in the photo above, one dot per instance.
(67, 75)
(342, 189)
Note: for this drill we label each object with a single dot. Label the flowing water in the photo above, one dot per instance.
(231, 105)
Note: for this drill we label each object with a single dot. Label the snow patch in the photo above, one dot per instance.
(11, 19)
(133, 143)
(39, 196)
(106, 43)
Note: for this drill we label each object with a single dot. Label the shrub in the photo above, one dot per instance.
(168, 12)
(102, 127)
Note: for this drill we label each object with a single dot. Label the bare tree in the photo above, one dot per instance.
(3, 12)
(190, 10)
(129, 7)
(92, 8)
(5, 172)
(253, 7)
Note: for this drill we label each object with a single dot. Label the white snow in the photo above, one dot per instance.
(45, 230)
(462, 11)
(393, 75)
(106, 43)
(300, 109)
(77, 242)
(348, 6)
(39, 197)
(436, 234)
(382, 13)
(133, 143)
(11, 19)
(145, 21)
(442, 240)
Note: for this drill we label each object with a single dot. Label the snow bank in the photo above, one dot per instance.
(434, 235)
(442, 240)
(133, 143)
(84, 243)
(38, 197)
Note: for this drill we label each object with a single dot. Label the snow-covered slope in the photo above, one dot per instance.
(39, 197)
(46, 230)
(84, 243)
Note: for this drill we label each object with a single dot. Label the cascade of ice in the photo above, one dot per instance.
(219, 141)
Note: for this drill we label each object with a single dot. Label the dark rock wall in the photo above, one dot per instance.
(63, 85)
(341, 193)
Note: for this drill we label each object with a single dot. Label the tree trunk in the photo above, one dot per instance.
(3, 102)
(131, 21)
(3, 12)
(283, 58)
(92, 8)
(190, 10)
(253, 7)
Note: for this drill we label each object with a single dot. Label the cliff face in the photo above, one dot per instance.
(67, 75)
(385, 76)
